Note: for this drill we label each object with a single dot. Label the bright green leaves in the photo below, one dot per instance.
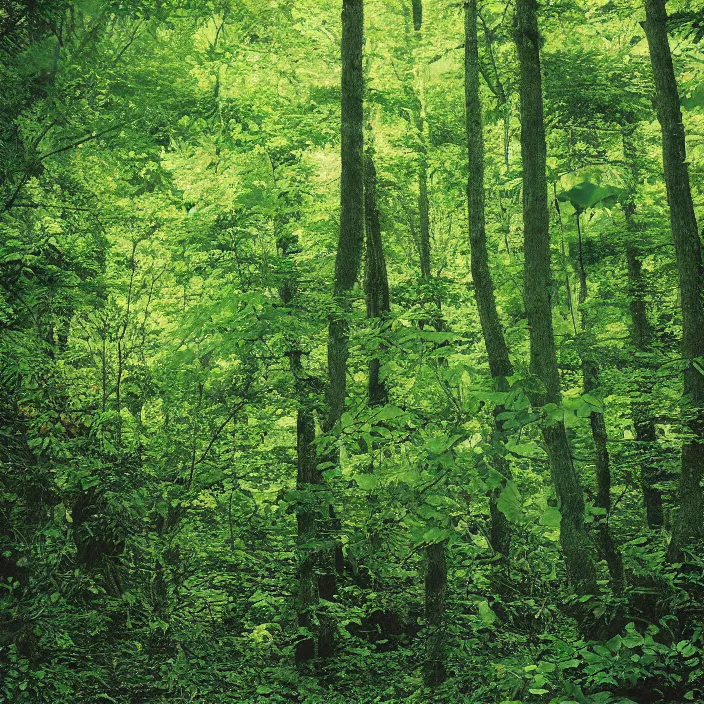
(587, 405)
(389, 413)
(535, 512)
(572, 410)
(693, 96)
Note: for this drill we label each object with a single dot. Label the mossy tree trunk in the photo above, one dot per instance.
(602, 460)
(419, 120)
(435, 666)
(376, 282)
(689, 523)
(306, 477)
(497, 352)
(641, 338)
(576, 546)
(347, 265)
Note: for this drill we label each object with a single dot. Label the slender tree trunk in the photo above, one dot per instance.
(417, 14)
(575, 543)
(419, 124)
(689, 523)
(306, 478)
(602, 460)
(349, 248)
(434, 669)
(641, 338)
(376, 283)
(423, 205)
(497, 352)
(347, 264)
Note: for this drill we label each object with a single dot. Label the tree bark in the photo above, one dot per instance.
(417, 14)
(423, 204)
(349, 247)
(602, 460)
(576, 546)
(376, 283)
(689, 523)
(308, 479)
(500, 365)
(419, 124)
(434, 668)
(347, 264)
(641, 338)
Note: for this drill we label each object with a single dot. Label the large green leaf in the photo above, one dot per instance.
(590, 195)
(510, 503)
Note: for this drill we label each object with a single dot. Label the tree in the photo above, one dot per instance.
(537, 285)
(500, 366)
(183, 470)
(347, 258)
(376, 282)
(688, 524)
(642, 335)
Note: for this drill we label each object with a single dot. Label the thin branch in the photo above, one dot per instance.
(78, 143)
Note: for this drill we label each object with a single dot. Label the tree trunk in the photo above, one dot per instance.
(423, 203)
(418, 122)
(641, 338)
(602, 461)
(497, 353)
(349, 248)
(347, 264)
(376, 283)
(689, 525)
(417, 14)
(434, 669)
(306, 478)
(575, 543)
(423, 200)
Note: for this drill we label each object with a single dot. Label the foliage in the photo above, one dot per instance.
(167, 170)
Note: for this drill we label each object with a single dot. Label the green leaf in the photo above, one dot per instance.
(438, 445)
(368, 482)
(436, 535)
(439, 337)
(588, 195)
(614, 644)
(510, 503)
(388, 413)
(486, 613)
(695, 99)
(551, 518)
(88, 482)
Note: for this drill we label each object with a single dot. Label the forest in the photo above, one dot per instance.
(351, 352)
